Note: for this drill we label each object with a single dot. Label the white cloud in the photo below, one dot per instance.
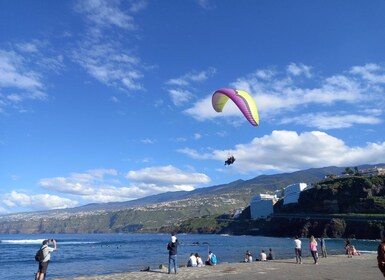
(147, 141)
(285, 151)
(195, 154)
(137, 6)
(25, 201)
(15, 73)
(180, 97)
(192, 76)
(299, 69)
(18, 82)
(276, 95)
(104, 185)
(109, 64)
(332, 121)
(167, 178)
(197, 136)
(370, 72)
(79, 183)
(106, 13)
(102, 54)
(205, 4)
(28, 47)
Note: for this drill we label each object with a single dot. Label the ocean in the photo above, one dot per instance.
(87, 254)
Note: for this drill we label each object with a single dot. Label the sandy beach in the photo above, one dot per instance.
(331, 268)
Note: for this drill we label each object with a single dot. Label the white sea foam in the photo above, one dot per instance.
(22, 241)
(40, 241)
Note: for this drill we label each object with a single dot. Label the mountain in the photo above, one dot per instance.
(249, 188)
(159, 212)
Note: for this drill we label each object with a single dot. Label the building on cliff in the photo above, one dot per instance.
(291, 192)
(373, 171)
(261, 206)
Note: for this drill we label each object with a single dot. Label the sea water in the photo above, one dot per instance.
(88, 254)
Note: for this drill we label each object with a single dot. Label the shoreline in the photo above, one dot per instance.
(333, 267)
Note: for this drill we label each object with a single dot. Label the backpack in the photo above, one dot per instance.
(214, 259)
(39, 257)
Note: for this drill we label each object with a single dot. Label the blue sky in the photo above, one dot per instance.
(111, 100)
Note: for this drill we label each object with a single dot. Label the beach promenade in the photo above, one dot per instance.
(332, 268)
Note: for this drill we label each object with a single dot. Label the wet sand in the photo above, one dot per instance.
(332, 268)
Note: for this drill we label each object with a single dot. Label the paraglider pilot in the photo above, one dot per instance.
(230, 160)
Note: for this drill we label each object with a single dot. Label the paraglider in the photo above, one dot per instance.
(230, 160)
(244, 102)
(241, 98)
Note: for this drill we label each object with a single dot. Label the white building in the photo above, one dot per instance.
(261, 205)
(292, 192)
(373, 171)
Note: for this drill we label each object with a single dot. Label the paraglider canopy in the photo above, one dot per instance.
(241, 98)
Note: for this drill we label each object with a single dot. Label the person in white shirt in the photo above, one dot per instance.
(199, 260)
(262, 256)
(298, 250)
(248, 256)
(192, 261)
(43, 265)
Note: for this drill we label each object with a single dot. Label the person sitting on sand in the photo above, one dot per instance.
(192, 261)
(211, 259)
(262, 256)
(270, 257)
(199, 260)
(348, 250)
(248, 256)
(355, 252)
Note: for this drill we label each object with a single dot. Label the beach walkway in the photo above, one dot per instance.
(332, 268)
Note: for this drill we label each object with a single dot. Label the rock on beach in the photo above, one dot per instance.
(334, 267)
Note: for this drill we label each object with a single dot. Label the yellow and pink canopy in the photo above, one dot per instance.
(241, 98)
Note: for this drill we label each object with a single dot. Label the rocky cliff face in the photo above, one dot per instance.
(353, 194)
(343, 207)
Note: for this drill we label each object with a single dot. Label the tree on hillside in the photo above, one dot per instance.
(348, 171)
(356, 171)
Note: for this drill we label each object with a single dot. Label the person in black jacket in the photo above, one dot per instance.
(172, 248)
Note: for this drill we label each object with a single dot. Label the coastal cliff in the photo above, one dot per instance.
(349, 207)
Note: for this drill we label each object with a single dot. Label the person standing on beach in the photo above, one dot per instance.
(43, 265)
(298, 250)
(381, 255)
(172, 248)
(313, 249)
(323, 248)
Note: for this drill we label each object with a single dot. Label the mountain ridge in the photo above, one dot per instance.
(249, 188)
